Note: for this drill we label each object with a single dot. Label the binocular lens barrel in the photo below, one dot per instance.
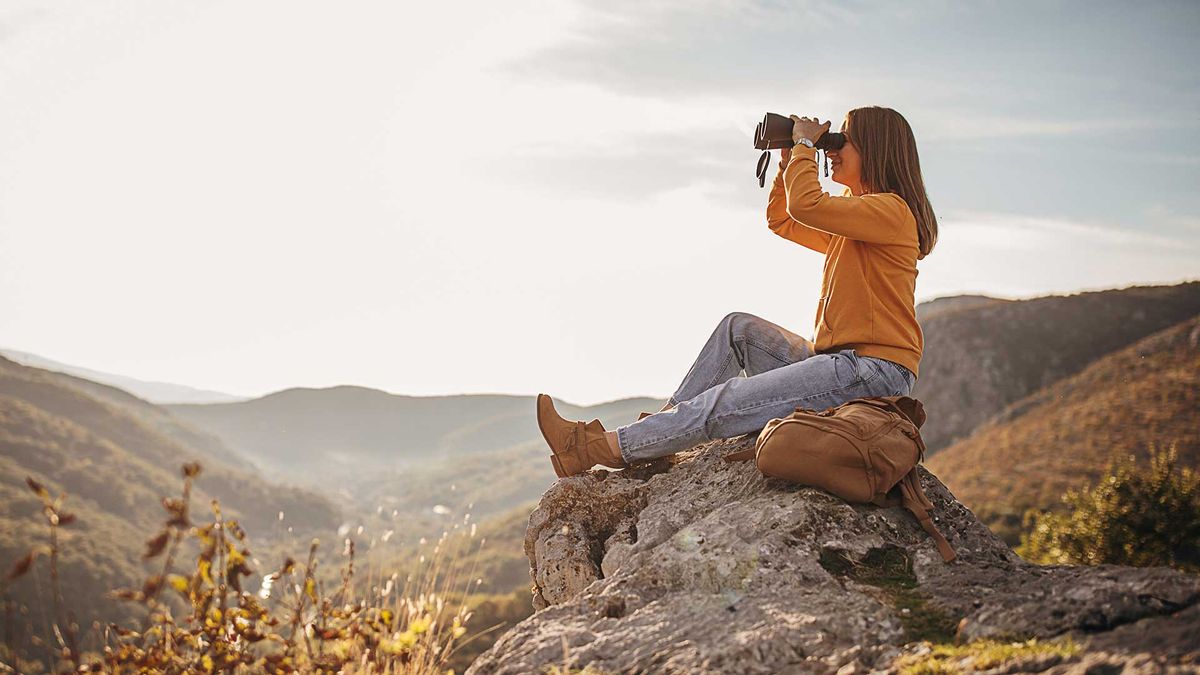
(775, 131)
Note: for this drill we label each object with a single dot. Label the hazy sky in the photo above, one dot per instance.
(553, 196)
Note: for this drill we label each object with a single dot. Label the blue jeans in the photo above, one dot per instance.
(782, 374)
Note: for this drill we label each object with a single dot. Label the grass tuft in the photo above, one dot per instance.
(983, 655)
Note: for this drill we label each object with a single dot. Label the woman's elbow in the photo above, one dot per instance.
(797, 212)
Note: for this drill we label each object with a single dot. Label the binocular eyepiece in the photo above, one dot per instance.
(775, 131)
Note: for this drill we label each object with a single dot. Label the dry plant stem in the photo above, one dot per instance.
(347, 576)
(70, 643)
(9, 641)
(211, 645)
(325, 606)
(51, 657)
(302, 592)
(463, 594)
(169, 561)
(316, 601)
(222, 571)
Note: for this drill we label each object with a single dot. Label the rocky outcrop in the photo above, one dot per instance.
(703, 566)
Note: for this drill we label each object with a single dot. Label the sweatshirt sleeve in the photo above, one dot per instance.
(785, 226)
(874, 218)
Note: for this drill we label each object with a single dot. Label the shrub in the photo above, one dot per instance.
(1129, 517)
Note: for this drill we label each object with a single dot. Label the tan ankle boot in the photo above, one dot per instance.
(577, 446)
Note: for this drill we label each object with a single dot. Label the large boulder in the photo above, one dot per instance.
(696, 565)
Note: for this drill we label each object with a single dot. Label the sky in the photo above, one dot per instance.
(545, 196)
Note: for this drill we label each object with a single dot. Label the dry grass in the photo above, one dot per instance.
(199, 618)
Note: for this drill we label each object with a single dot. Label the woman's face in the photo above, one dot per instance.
(847, 165)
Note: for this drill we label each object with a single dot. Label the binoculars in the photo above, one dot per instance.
(775, 131)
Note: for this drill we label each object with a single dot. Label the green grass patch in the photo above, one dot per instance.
(890, 570)
(982, 655)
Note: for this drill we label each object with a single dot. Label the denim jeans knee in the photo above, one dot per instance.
(741, 342)
(742, 405)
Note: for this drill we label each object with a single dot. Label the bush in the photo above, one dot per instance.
(199, 618)
(1129, 517)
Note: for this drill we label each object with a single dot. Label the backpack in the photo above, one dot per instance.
(865, 450)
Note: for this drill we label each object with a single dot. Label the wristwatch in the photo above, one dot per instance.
(805, 141)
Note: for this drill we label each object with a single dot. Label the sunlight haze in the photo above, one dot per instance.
(555, 197)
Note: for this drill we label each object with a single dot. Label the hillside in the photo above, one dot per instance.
(1061, 436)
(953, 303)
(116, 457)
(980, 359)
(154, 392)
(355, 436)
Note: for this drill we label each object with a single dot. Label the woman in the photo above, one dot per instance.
(867, 340)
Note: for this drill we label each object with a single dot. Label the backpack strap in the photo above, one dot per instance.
(907, 406)
(913, 498)
(741, 455)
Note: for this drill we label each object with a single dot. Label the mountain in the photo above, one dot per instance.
(154, 392)
(953, 303)
(979, 359)
(378, 450)
(354, 436)
(116, 457)
(1062, 435)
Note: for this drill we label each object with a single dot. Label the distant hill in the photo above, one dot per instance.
(1061, 436)
(979, 359)
(116, 457)
(354, 436)
(953, 303)
(153, 392)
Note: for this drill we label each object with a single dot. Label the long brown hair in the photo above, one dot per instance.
(890, 164)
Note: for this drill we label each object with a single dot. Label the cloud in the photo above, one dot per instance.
(1023, 231)
(978, 71)
(668, 49)
(968, 125)
(1022, 256)
(635, 168)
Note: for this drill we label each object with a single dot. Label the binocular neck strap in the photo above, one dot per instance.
(764, 164)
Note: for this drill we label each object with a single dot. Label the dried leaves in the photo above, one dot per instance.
(229, 629)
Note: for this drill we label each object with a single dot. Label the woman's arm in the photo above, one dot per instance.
(784, 225)
(875, 218)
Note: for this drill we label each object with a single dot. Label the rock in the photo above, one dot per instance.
(706, 566)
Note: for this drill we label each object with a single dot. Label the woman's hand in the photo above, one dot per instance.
(805, 127)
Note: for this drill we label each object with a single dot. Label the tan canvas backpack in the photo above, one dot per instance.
(865, 450)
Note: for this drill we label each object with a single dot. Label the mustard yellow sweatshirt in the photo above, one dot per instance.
(870, 244)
